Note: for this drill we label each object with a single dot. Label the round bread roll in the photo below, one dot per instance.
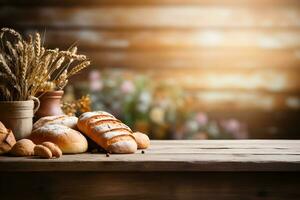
(55, 150)
(67, 139)
(142, 140)
(23, 147)
(69, 121)
(42, 151)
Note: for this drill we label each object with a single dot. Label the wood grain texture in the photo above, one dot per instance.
(274, 80)
(193, 59)
(177, 39)
(148, 2)
(232, 57)
(241, 155)
(151, 17)
(149, 185)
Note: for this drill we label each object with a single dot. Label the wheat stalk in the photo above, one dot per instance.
(26, 67)
(78, 68)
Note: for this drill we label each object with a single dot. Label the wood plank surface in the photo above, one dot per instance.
(193, 59)
(220, 155)
(151, 17)
(175, 39)
(150, 185)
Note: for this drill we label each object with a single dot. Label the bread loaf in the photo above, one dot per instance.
(142, 140)
(7, 139)
(67, 139)
(107, 131)
(69, 121)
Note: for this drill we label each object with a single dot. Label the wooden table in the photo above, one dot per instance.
(206, 169)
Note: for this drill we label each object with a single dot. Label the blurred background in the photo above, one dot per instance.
(180, 69)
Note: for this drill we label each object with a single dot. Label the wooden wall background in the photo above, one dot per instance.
(238, 58)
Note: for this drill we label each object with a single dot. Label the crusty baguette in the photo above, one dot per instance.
(69, 121)
(107, 131)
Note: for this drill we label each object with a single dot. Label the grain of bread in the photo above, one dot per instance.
(69, 121)
(23, 147)
(142, 140)
(42, 151)
(55, 150)
(107, 131)
(7, 139)
(67, 139)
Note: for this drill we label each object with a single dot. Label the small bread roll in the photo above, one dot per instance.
(55, 150)
(23, 147)
(142, 140)
(67, 139)
(42, 151)
(69, 121)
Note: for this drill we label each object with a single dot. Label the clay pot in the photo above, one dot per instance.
(50, 104)
(17, 116)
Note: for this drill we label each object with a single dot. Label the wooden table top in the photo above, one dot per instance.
(175, 155)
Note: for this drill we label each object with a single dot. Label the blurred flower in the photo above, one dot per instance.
(157, 115)
(200, 136)
(95, 81)
(231, 125)
(127, 87)
(243, 134)
(192, 126)
(213, 129)
(144, 101)
(235, 128)
(163, 110)
(94, 75)
(145, 97)
(201, 118)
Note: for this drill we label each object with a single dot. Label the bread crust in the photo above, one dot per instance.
(69, 121)
(55, 150)
(23, 147)
(142, 140)
(107, 131)
(42, 151)
(7, 139)
(67, 139)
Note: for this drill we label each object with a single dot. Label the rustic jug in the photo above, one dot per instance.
(17, 116)
(50, 104)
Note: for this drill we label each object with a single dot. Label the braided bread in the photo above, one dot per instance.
(107, 131)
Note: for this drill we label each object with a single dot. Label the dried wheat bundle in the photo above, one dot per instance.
(26, 67)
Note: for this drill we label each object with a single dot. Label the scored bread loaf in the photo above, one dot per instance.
(107, 131)
(67, 139)
(69, 121)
